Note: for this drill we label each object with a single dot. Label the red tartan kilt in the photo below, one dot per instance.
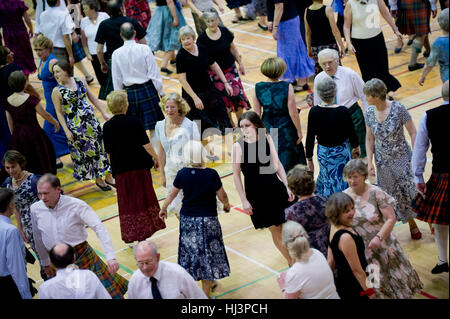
(434, 209)
(138, 205)
(414, 17)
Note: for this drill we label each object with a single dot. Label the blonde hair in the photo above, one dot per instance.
(194, 154)
(273, 67)
(183, 106)
(42, 41)
(117, 101)
(295, 239)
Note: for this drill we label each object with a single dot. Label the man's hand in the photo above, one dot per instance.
(113, 266)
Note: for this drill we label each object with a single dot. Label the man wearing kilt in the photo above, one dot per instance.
(108, 34)
(134, 69)
(431, 204)
(57, 218)
(349, 91)
(413, 17)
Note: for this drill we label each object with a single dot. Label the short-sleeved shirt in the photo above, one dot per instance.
(313, 279)
(439, 53)
(124, 137)
(289, 11)
(199, 187)
(90, 30)
(219, 50)
(196, 68)
(109, 33)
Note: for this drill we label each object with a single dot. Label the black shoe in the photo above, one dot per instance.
(440, 269)
(416, 66)
(166, 71)
(305, 87)
(103, 188)
(173, 61)
(112, 184)
(391, 98)
(59, 165)
(410, 41)
(265, 28)
(426, 54)
(398, 50)
(91, 79)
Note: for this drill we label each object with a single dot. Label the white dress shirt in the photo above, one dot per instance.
(55, 23)
(66, 224)
(40, 9)
(421, 145)
(349, 87)
(71, 283)
(134, 63)
(174, 282)
(90, 31)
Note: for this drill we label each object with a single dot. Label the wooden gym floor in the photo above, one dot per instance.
(253, 258)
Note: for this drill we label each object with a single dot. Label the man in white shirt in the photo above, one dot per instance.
(57, 218)
(41, 5)
(134, 69)
(349, 91)
(70, 282)
(157, 279)
(57, 25)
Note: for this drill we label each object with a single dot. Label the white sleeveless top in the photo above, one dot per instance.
(365, 19)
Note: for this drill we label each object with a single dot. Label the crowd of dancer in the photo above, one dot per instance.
(335, 232)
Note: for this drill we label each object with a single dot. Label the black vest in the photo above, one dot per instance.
(437, 121)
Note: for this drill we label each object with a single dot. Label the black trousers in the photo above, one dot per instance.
(101, 77)
(9, 289)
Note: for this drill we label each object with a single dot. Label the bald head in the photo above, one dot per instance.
(145, 247)
(62, 255)
(445, 92)
(127, 31)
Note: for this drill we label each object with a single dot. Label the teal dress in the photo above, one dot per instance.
(273, 97)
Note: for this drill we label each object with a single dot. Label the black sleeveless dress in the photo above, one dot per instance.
(346, 283)
(264, 190)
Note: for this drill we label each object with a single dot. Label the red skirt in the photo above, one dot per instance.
(239, 99)
(434, 209)
(138, 205)
(414, 17)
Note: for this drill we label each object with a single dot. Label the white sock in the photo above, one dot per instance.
(441, 239)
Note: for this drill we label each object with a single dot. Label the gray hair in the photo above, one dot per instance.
(326, 89)
(356, 165)
(295, 238)
(145, 245)
(186, 31)
(443, 19)
(445, 91)
(127, 30)
(209, 13)
(194, 154)
(375, 88)
(324, 52)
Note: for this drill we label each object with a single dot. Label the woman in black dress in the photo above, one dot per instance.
(265, 196)
(219, 42)
(193, 64)
(346, 250)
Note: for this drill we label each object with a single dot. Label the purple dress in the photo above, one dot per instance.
(15, 33)
(310, 213)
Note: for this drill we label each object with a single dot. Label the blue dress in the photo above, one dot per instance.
(273, 97)
(59, 139)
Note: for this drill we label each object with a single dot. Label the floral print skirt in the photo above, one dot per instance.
(201, 250)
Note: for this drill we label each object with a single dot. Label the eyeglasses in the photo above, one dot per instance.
(145, 263)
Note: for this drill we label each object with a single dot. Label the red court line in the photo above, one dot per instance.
(423, 293)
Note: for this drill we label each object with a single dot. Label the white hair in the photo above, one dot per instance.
(328, 52)
(145, 245)
(295, 238)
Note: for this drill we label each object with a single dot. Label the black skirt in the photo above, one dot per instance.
(372, 58)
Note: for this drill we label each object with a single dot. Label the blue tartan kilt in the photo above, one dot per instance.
(143, 103)
(78, 51)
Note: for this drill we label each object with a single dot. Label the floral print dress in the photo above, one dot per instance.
(397, 277)
(393, 158)
(25, 195)
(87, 150)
